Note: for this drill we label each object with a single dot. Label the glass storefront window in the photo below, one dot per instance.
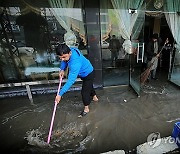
(114, 58)
(122, 23)
(30, 34)
(122, 36)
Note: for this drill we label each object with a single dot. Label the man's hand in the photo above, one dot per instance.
(61, 74)
(58, 99)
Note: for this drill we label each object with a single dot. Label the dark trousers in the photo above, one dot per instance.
(87, 91)
(114, 55)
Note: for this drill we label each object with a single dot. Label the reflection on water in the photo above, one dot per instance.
(6, 119)
(21, 113)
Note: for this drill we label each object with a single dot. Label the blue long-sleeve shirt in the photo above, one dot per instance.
(78, 66)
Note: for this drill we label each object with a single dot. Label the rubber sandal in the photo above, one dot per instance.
(83, 113)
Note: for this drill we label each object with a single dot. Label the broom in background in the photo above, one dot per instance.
(144, 76)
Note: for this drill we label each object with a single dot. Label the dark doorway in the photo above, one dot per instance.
(164, 33)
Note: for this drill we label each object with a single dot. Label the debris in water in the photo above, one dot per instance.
(35, 137)
(57, 133)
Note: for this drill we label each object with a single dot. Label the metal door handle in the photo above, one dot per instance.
(140, 55)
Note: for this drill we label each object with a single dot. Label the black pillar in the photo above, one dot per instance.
(93, 33)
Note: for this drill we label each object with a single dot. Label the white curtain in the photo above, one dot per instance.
(172, 14)
(61, 11)
(129, 28)
(173, 20)
(106, 26)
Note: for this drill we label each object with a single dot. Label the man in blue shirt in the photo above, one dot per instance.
(78, 66)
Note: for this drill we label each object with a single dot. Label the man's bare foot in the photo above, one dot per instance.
(95, 98)
(86, 109)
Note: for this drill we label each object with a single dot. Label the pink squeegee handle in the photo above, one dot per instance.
(54, 112)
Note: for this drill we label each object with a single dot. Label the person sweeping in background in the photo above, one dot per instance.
(78, 66)
(153, 48)
(152, 64)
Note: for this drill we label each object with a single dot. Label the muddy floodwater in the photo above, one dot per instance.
(120, 120)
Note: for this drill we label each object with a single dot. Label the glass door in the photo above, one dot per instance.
(173, 18)
(174, 72)
(115, 60)
(137, 48)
